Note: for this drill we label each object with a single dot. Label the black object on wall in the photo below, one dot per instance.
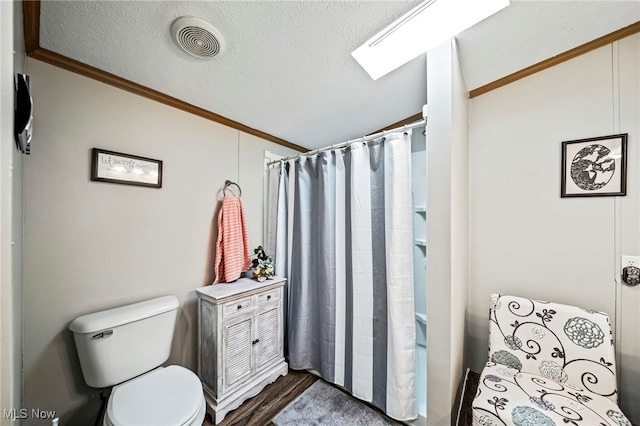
(23, 114)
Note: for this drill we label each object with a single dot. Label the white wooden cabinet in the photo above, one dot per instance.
(241, 340)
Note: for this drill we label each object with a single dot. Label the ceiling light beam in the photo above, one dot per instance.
(426, 26)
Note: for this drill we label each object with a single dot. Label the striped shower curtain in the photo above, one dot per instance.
(340, 229)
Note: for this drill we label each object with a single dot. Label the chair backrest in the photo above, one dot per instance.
(564, 343)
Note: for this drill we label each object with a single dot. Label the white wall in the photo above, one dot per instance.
(6, 136)
(447, 236)
(526, 240)
(93, 245)
(12, 61)
(17, 237)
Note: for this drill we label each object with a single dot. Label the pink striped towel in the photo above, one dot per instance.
(232, 246)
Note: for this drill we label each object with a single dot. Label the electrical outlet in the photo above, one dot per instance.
(631, 261)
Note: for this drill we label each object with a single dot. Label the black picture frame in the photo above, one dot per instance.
(126, 169)
(594, 167)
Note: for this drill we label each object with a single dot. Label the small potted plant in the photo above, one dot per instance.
(263, 268)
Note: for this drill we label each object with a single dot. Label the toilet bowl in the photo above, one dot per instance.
(124, 347)
(170, 396)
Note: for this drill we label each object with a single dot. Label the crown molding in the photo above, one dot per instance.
(408, 120)
(31, 24)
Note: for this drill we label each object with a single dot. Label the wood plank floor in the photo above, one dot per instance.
(259, 410)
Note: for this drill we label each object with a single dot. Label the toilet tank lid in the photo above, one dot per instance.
(122, 315)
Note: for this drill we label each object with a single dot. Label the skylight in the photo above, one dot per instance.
(428, 25)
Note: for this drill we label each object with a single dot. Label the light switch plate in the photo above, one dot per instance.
(631, 261)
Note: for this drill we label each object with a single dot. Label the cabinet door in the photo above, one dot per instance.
(237, 353)
(269, 345)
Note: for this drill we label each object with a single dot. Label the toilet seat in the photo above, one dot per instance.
(170, 396)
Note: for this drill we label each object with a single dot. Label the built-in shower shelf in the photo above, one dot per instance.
(420, 242)
(419, 209)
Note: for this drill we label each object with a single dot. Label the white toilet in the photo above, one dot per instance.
(125, 347)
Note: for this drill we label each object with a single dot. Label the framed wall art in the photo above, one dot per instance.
(594, 167)
(116, 167)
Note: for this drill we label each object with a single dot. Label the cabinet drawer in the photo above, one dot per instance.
(269, 297)
(238, 306)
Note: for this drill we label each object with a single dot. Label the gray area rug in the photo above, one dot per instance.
(323, 404)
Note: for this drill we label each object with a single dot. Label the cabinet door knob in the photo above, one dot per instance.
(268, 297)
(255, 341)
(239, 306)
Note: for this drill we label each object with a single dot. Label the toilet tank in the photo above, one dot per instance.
(121, 343)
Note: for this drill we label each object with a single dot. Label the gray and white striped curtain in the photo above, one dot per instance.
(340, 230)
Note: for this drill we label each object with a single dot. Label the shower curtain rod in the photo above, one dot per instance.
(420, 123)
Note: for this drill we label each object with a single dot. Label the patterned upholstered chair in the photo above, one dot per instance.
(549, 364)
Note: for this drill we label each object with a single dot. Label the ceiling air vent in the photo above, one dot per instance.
(197, 37)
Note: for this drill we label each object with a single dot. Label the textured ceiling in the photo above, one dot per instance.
(287, 68)
(528, 32)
